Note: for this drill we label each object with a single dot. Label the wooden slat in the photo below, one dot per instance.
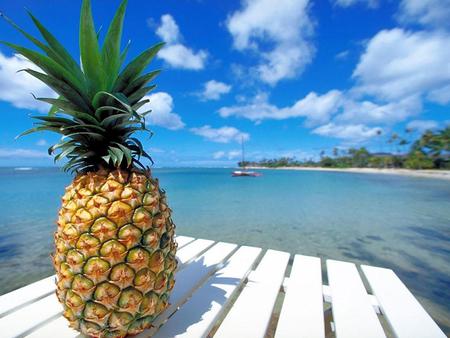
(407, 318)
(187, 279)
(302, 312)
(198, 315)
(58, 328)
(250, 315)
(353, 314)
(27, 294)
(192, 250)
(328, 298)
(25, 319)
(183, 240)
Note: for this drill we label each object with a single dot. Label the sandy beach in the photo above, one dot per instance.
(438, 174)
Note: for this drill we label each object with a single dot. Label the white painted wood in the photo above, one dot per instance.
(192, 250)
(202, 293)
(353, 313)
(197, 316)
(57, 328)
(30, 316)
(250, 315)
(407, 318)
(186, 281)
(26, 294)
(302, 312)
(373, 300)
(183, 240)
(190, 278)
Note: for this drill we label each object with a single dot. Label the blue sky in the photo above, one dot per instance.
(290, 77)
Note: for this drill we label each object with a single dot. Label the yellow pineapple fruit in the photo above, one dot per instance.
(114, 244)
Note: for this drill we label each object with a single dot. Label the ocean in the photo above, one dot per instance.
(398, 222)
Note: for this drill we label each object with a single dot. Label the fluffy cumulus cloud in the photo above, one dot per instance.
(399, 63)
(213, 90)
(315, 108)
(175, 53)
(426, 12)
(348, 3)
(347, 132)
(224, 134)
(367, 112)
(162, 115)
(286, 27)
(335, 113)
(422, 125)
(17, 87)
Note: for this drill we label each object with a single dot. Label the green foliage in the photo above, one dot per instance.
(418, 160)
(430, 151)
(96, 111)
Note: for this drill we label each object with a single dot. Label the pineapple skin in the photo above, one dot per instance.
(114, 252)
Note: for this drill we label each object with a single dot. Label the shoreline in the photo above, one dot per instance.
(436, 174)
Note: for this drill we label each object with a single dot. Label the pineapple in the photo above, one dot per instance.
(114, 243)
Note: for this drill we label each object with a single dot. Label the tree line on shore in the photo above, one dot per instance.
(430, 151)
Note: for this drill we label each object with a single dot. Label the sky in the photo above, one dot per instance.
(288, 77)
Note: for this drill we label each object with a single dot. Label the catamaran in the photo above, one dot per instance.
(242, 173)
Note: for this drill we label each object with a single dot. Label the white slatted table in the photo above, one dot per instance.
(224, 290)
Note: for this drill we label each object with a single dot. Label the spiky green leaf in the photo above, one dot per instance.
(111, 47)
(90, 51)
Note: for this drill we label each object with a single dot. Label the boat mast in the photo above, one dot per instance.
(243, 157)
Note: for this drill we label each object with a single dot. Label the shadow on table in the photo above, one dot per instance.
(212, 293)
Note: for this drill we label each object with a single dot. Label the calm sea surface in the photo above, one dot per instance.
(391, 221)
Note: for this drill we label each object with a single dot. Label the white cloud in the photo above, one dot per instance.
(168, 30)
(364, 111)
(230, 155)
(219, 155)
(440, 95)
(213, 90)
(42, 143)
(224, 134)
(180, 56)
(348, 3)
(422, 125)
(162, 114)
(234, 154)
(426, 12)
(286, 26)
(175, 53)
(22, 153)
(16, 87)
(334, 106)
(348, 132)
(315, 108)
(342, 55)
(398, 63)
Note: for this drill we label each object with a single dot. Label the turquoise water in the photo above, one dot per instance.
(398, 222)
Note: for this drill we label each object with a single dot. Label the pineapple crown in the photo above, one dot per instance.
(96, 111)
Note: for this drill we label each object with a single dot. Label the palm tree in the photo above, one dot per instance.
(379, 133)
(391, 141)
(335, 152)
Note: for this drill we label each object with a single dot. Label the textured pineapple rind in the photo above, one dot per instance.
(114, 252)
